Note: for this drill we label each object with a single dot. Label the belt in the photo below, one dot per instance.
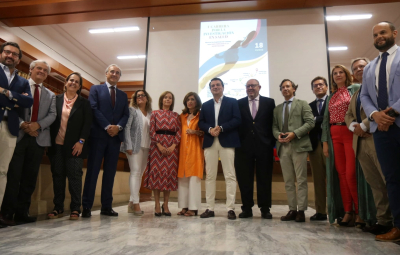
(165, 132)
(339, 124)
(5, 118)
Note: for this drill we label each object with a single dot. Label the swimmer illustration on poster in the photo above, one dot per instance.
(234, 51)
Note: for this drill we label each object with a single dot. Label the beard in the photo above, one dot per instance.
(389, 42)
(8, 64)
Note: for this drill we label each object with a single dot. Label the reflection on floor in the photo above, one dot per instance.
(129, 234)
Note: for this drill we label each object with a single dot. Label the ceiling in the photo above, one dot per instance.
(357, 34)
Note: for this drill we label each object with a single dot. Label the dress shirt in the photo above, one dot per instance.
(32, 85)
(323, 98)
(217, 107)
(257, 101)
(392, 53)
(109, 90)
(10, 78)
(284, 106)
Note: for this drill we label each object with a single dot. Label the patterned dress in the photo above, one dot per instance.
(162, 171)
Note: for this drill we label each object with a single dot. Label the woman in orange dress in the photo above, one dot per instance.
(191, 157)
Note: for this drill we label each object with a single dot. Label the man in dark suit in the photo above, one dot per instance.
(257, 145)
(110, 114)
(380, 98)
(14, 93)
(317, 158)
(33, 137)
(220, 119)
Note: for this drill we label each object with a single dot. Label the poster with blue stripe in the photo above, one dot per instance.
(234, 51)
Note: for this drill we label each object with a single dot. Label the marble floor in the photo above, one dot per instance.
(129, 234)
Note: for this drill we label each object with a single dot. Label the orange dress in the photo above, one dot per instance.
(191, 154)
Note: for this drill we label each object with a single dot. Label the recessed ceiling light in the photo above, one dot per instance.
(131, 57)
(348, 17)
(112, 30)
(337, 48)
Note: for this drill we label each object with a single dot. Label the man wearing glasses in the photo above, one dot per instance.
(319, 87)
(14, 92)
(257, 144)
(364, 149)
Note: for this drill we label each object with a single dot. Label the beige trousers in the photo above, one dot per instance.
(373, 175)
(294, 166)
(227, 156)
(7, 146)
(318, 168)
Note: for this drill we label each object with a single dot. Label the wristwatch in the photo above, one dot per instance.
(81, 141)
(4, 92)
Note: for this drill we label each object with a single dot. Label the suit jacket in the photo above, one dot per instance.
(46, 116)
(316, 133)
(103, 112)
(228, 117)
(301, 121)
(18, 86)
(78, 126)
(369, 94)
(259, 128)
(352, 117)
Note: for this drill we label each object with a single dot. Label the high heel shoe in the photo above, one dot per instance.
(157, 214)
(165, 213)
(359, 224)
(349, 223)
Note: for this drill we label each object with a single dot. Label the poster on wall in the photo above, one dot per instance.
(234, 51)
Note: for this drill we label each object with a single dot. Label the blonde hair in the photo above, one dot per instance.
(133, 102)
(349, 78)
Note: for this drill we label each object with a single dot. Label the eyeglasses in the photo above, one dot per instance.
(252, 86)
(318, 85)
(141, 95)
(14, 54)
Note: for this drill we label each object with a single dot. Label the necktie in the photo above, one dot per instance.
(320, 105)
(382, 90)
(358, 107)
(253, 109)
(35, 108)
(286, 118)
(112, 95)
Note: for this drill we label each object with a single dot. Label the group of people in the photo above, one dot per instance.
(351, 136)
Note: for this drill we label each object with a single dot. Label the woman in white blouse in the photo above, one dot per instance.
(136, 144)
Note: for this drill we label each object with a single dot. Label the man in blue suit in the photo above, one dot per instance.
(110, 111)
(220, 119)
(380, 98)
(14, 92)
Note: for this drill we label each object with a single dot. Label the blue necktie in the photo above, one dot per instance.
(320, 105)
(358, 107)
(382, 90)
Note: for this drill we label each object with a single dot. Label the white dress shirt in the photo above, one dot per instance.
(217, 107)
(256, 101)
(109, 90)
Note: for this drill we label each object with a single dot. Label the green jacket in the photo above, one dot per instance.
(301, 121)
(366, 206)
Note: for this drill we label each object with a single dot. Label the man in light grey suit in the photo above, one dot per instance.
(33, 137)
(380, 98)
(293, 120)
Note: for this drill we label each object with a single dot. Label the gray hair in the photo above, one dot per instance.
(108, 67)
(358, 59)
(33, 64)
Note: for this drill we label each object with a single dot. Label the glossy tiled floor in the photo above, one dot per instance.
(128, 234)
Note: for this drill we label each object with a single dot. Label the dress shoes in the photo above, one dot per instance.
(318, 216)
(377, 229)
(231, 215)
(6, 220)
(392, 236)
(86, 213)
(24, 218)
(246, 214)
(108, 212)
(266, 215)
(291, 215)
(300, 217)
(207, 214)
